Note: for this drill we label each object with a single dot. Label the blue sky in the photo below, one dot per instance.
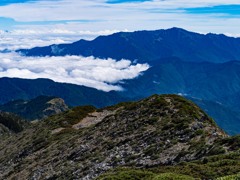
(231, 10)
(124, 1)
(6, 2)
(113, 15)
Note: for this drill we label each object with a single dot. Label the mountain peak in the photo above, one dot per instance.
(176, 29)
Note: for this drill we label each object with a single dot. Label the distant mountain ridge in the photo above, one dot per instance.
(219, 82)
(149, 46)
(14, 88)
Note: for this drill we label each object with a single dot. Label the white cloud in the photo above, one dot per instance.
(49, 10)
(29, 38)
(102, 74)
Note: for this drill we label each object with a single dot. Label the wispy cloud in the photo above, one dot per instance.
(125, 1)
(124, 14)
(29, 38)
(102, 74)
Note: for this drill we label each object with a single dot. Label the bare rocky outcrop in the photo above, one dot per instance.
(54, 106)
(93, 118)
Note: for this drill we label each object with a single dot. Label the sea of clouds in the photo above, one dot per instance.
(102, 74)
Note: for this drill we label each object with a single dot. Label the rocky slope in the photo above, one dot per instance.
(226, 118)
(158, 132)
(38, 108)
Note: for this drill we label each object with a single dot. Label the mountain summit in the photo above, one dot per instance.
(149, 46)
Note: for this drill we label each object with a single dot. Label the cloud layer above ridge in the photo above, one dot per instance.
(101, 74)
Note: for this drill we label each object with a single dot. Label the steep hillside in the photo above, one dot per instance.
(147, 46)
(38, 108)
(85, 142)
(225, 117)
(210, 81)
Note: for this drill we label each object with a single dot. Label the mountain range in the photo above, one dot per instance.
(150, 46)
(197, 66)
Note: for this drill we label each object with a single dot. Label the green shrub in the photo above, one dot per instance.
(127, 175)
(172, 176)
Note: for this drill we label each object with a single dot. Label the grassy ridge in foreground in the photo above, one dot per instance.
(156, 137)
